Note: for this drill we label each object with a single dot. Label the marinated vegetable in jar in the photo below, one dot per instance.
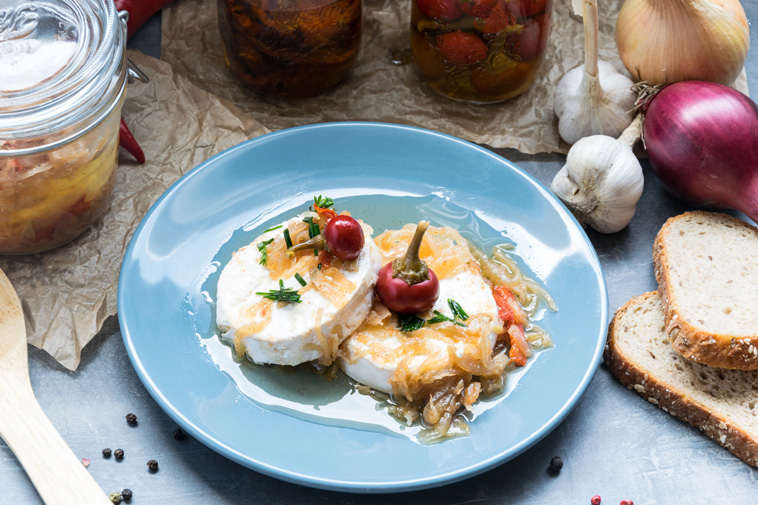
(49, 198)
(481, 51)
(61, 92)
(290, 48)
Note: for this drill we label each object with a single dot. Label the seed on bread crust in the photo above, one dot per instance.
(719, 402)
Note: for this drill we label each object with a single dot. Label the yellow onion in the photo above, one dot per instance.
(665, 41)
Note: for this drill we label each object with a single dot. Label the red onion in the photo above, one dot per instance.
(702, 141)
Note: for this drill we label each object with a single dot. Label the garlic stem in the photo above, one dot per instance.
(591, 30)
(633, 132)
(593, 98)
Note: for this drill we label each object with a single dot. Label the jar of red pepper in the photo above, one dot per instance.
(62, 85)
(290, 48)
(480, 51)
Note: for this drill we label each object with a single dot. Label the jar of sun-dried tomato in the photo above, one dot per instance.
(290, 48)
(63, 73)
(479, 50)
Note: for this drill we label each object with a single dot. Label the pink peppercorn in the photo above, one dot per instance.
(595, 500)
(626, 502)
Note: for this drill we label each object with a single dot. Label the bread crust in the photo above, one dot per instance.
(670, 398)
(692, 342)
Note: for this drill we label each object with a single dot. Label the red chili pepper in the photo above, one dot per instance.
(139, 12)
(477, 8)
(128, 142)
(443, 10)
(461, 48)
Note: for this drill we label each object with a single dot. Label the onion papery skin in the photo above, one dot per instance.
(667, 41)
(702, 142)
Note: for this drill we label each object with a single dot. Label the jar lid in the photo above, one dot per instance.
(62, 67)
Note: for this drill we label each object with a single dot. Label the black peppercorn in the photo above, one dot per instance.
(126, 494)
(119, 453)
(555, 464)
(107, 452)
(179, 434)
(152, 465)
(131, 419)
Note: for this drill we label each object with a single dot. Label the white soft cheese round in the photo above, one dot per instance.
(372, 359)
(290, 337)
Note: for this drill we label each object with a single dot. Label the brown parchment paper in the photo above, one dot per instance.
(376, 90)
(69, 292)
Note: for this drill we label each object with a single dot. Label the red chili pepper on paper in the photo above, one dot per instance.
(128, 142)
(139, 12)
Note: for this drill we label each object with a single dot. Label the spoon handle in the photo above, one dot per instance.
(58, 475)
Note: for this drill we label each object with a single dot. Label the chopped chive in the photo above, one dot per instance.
(312, 227)
(409, 322)
(458, 311)
(282, 294)
(287, 239)
(300, 279)
(263, 251)
(313, 230)
(272, 229)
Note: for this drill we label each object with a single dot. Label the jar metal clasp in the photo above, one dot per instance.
(134, 72)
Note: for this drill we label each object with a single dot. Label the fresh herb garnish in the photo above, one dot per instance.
(287, 239)
(439, 317)
(313, 229)
(322, 201)
(282, 294)
(409, 322)
(272, 229)
(458, 311)
(300, 279)
(264, 252)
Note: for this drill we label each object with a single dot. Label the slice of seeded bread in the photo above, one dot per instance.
(706, 264)
(722, 403)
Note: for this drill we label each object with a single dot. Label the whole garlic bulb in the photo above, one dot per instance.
(593, 99)
(593, 105)
(602, 180)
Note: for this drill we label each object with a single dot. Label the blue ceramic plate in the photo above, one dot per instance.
(300, 427)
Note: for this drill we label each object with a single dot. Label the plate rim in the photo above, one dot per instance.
(335, 484)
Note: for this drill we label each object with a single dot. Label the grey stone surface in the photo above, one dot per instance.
(613, 444)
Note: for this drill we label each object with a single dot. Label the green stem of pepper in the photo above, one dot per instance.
(411, 268)
(317, 242)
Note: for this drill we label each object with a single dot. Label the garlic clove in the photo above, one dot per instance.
(600, 183)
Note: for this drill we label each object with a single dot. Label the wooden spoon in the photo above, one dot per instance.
(58, 475)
